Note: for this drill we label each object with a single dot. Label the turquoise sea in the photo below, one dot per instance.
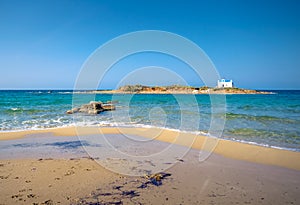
(267, 120)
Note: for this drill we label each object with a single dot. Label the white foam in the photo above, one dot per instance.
(67, 92)
(15, 108)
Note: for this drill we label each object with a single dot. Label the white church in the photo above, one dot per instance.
(225, 83)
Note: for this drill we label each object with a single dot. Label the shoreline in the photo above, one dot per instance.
(227, 148)
(21, 132)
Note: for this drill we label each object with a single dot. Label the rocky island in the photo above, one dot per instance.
(175, 89)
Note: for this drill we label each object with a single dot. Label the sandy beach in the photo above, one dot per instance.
(235, 173)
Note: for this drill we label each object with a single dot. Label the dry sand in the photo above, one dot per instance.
(235, 173)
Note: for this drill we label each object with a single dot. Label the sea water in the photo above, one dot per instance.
(264, 119)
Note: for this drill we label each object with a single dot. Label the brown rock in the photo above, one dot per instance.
(93, 108)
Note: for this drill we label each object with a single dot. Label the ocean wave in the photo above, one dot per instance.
(260, 118)
(266, 145)
(19, 110)
(246, 107)
(14, 110)
(65, 92)
(260, 132)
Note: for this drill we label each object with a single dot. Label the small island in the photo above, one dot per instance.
(174, 89)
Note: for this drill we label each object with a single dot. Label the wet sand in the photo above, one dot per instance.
(234, 173)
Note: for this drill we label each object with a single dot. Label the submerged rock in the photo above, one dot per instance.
(93, 108)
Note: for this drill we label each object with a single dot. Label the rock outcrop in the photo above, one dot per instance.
(173, 89)
(93, 108)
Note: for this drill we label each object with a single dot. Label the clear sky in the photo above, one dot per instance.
(43, 44)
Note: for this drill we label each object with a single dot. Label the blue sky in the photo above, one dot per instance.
(43, 44)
